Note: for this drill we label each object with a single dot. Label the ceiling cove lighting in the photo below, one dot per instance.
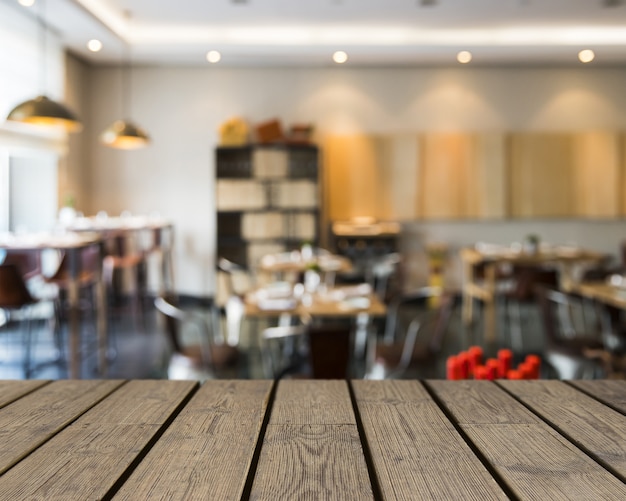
(586, 56)
(26, 3)
(42, 110)
(124, 134)
(464, 57)
(340, 57)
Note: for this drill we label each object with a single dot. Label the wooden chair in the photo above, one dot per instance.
(91, 263)
(430, 310)
(123, 259)
(27, 262)
(313, 350)
(209, 357)
(14, 298)
(565, 347)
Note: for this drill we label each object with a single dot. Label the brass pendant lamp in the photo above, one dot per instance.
(124, 134)
(42, 110)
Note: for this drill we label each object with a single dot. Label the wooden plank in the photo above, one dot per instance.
(594, 426)
(462, 175)
(611, 392)
(207, 451)
(87, 458)
(351, 173)
(312, 448)
(415, 449)
(35, 418)
(534, 460)
(12, 390)
(596, 158)
(541, 180)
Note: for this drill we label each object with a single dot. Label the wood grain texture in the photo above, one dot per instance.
(585, 421)
(612, 392)
(312, 448)
(351, 173)
(85, 459)
(596, 163)
(461, 175)
(35, 418)
(534, 460)
(207, 451)
(541, 174)
(416, 451)
(12, 390)
(565, 174)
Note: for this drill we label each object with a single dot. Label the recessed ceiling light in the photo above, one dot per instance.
(340, 57)
(94, 45)
(213, 56)
(464, 57)
(586, 56)
(26, 3)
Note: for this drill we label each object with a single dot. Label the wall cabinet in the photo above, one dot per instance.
(268, 200)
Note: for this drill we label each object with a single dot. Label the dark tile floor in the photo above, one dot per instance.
(140, 350)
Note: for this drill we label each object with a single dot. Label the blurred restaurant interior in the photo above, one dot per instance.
(449, 191)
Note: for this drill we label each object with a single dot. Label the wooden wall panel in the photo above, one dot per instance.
(622, 183)
(461, 175)
(351, 175)
(564, 174)
(596, 161)
(398, 176)
(541, 174)
(475, 175)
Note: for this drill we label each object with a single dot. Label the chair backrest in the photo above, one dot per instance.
(556, 313)
(28, 262)
(176, 317)
(330, 350)
(90, 261)
(13, 290)
(527, 278)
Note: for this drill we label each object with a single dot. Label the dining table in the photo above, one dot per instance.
(71, 244)
(144, 235)
(566, 259)
(285, 301)
(313, 439)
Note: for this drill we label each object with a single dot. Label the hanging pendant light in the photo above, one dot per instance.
(42, 110)
(124, 134)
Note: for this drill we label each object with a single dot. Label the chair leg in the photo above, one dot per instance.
(27, 347)
(516, 326)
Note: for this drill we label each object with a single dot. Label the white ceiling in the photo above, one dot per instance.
(372, 32)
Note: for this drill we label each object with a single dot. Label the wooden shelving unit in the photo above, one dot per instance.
(268, 200)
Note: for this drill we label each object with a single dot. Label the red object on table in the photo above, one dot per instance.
(514, 374)
(535, 362)
(505, 357)
(526, 370)
(463, 359)
(475, 358)
(481, 372)
(492, 366)
(453, 368)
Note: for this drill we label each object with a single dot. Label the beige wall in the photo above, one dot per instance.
(183, 107)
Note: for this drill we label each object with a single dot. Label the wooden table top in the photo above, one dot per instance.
(319, 305)
(555, 254)
(303, 439)
(604, 292)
